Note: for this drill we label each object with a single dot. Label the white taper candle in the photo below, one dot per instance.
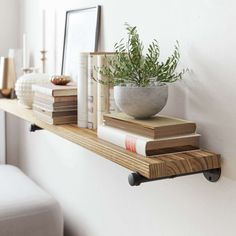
(43, 30)
(25, 56)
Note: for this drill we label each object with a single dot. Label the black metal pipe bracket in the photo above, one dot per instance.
(34, 127)
(213, 175)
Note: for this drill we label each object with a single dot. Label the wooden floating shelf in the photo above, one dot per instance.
(161, 166)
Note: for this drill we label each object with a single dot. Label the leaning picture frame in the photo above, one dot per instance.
(81, 35)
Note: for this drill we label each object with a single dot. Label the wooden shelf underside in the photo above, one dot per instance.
(151, 168)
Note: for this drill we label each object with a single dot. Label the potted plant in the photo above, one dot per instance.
(140, 80)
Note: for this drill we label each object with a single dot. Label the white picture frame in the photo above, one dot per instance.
(81, 35)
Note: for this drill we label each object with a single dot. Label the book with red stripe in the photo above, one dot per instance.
(147, 146)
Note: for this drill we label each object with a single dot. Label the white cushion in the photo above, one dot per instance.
(25, 209)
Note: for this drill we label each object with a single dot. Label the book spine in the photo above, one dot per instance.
(125, 140)
(42, 90)
(92, 93)
(102, 93)
(44, 97)
(112, 105)
(82, 84)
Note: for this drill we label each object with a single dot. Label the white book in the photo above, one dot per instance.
(52, 108)
(56, 120)
(82, 84)
(55, 90)
(102, 93)
(112, 104)
(146, 146)
(92, 92)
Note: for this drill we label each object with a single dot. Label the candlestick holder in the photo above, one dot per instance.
(43, 59)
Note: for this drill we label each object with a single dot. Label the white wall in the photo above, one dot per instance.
(94, 192)
(2, 138)
(9, 28)
(9, 25)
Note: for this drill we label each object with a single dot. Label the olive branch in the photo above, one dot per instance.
(129, 65)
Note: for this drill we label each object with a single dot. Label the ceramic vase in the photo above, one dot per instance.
(141, 102)
(24, 84)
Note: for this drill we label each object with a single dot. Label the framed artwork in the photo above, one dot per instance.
(81, 35)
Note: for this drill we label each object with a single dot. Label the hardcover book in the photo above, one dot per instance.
(155, 127)
(146, 146)
(50, 99)
(82, 83)
(54, 107)
(54, 114)
(92, 92)
(56, 90)
(102, 94)
(112, 105)
(54, 104)
(56, 120)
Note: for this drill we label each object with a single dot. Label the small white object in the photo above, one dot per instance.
(24, 87)
(82, 83)
(25, 209)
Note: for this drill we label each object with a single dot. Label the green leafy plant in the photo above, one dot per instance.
(130, 65)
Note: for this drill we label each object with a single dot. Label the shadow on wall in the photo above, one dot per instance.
(13, 144)
(209, 102)
(176, 105)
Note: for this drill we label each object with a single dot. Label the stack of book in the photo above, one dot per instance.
(55, 104)
(158, 135)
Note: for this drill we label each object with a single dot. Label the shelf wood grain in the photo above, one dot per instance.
(151, 167)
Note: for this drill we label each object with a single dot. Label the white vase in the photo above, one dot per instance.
(24, 84)
(141, 102)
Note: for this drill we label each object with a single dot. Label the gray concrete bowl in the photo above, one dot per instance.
(141, 102)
